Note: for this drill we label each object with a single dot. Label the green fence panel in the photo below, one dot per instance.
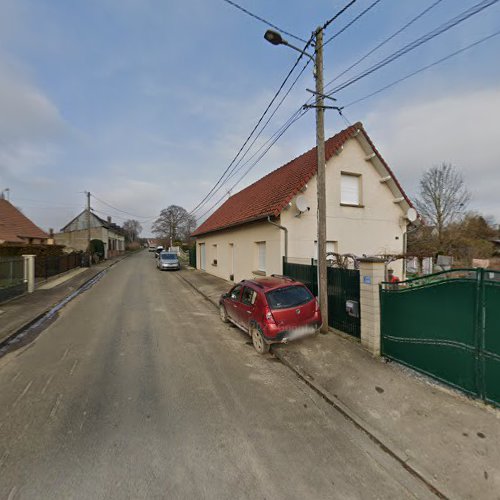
(447, 325)
(192, 257)
(430, 326)
(491, 337)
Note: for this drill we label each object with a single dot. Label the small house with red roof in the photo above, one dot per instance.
(16, 229)
(277, 215)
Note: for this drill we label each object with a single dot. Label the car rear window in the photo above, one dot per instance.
(290, 296)
(168, 256)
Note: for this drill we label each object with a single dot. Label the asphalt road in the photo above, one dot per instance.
(137, 390)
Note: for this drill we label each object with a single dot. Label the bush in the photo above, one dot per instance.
(133, 246)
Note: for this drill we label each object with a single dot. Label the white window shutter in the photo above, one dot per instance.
(349, 189)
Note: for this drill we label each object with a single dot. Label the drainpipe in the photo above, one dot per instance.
(283, 228)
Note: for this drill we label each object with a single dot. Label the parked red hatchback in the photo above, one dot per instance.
(271, 310)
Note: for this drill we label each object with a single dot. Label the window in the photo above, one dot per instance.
(350, 189)
(290, 296)
(235, 292)
(248, 297)
(261, 251)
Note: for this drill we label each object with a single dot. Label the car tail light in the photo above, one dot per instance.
(269, 315)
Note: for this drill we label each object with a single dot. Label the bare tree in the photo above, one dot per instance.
(132, 229)
(174, 223)
(443, 197)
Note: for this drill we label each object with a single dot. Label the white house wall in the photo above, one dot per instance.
(244, 240)
(374, 228)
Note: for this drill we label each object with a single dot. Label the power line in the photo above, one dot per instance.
(285, 125)
(381, 44)
(230, 2)
(420, 70)
(283, 129)
(239, 165)
(220, 181)
(119, 210)
(416, 43)
(338, 14)
(350, 23)
(253, 130)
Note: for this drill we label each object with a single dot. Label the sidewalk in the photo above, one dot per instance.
(451, 441)
(20, 312)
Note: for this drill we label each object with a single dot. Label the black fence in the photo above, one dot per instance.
(342, 288)
(12, 281)
(48, 266)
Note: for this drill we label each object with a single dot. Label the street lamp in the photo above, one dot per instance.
(276, 39)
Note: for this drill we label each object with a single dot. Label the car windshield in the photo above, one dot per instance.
(168, 256)
(290, 296)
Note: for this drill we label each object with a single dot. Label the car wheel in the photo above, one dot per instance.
(223, 314)
(261, 346)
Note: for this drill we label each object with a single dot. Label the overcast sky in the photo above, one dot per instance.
(144, 103)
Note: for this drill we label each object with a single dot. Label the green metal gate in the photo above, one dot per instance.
(447, 325)
(343, 286)
(192, 256)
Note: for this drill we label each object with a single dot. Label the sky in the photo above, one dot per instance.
(145, 103)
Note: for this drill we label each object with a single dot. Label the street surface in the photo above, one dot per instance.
(138, 390)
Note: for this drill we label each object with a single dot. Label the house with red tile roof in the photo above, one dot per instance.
(17, 229)
(276, 216)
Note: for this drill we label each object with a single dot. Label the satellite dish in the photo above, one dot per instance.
(411, 214)
(301, 203)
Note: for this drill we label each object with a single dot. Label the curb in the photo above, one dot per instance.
(344, 410)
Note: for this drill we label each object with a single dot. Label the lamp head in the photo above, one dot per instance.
(274, 37)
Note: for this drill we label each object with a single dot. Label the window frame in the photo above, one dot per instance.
(344, 175)
(250, 303)
(261, 256)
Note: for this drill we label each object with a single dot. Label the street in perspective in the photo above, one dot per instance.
(215, 284)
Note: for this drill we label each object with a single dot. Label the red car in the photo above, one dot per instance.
(271, 310)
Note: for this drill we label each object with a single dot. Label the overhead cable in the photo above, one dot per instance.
(255, 16)
(119, 210)
(383, 42)
(338, 14)
(276, 138)
(416, 43)
(350, 23)
(420, 70)
(219, 181)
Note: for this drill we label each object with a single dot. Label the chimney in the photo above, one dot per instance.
(109, 219)
(51, 232)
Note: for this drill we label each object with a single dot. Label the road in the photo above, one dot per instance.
(138, 390)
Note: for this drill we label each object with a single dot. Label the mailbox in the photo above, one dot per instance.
(352, 308)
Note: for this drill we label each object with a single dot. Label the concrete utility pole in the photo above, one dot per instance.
(276, 39)
(321, 183)
(88, 227)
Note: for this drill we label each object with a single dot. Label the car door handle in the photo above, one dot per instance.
(249, 312)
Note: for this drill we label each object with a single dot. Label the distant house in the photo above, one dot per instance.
(75, 234)
(16, 229)
(254, 229)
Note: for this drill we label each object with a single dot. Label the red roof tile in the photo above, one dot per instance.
(14, 226)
